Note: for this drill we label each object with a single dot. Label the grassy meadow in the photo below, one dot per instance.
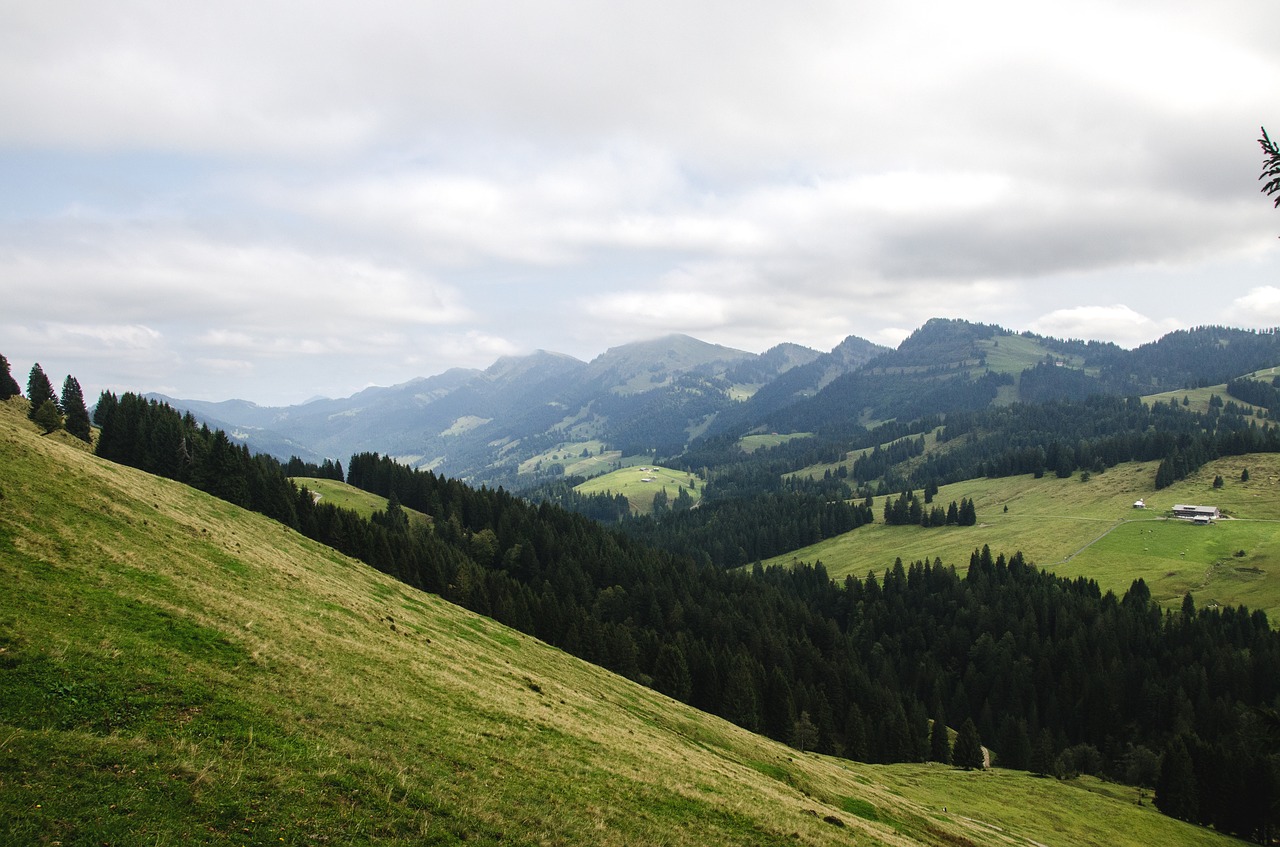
(349, 497)
(1091, 529)
(640, 483)
(752, 443)
(597, 461)
(174, 670)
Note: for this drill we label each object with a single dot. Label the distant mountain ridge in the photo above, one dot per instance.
(658, 396)
(480, 424)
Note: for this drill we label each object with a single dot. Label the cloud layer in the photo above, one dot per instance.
(274, 201)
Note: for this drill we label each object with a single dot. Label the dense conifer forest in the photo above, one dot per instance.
(1051, 674)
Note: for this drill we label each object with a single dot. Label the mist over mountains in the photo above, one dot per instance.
(657, 397)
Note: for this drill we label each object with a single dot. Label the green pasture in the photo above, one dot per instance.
(817, 471)
(570, 455)
(349, 497)
(174, 670)
(1091, 529)
(1197, 398)
(640, 483)
(1013, 354)
(752, 443)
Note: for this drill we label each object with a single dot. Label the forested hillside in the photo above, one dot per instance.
(1054, 675)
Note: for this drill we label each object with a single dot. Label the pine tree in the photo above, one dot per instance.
(1043, 755)
(77, 416)
(967, 752)
(855, 735)
(939, 741)
(8, 385)
(47, 417)
(671, 673)
(1176, 789)
(39, 389)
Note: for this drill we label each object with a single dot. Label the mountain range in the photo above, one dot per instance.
(657, 397)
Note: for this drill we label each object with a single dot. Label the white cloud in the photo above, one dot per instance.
(1117, 323)
(409, 186)
(1260, 307)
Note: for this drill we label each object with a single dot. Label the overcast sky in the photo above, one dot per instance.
(274, 201)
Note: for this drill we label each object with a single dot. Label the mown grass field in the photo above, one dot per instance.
(176, 671)
(1091, 529)
(641, 483)
(349, 497)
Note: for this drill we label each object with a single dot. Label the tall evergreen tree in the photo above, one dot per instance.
(77, 416)
(939, 741)
(1176, 789)
(968, 748)
(8, 385)
(39, 389)
(671, 673)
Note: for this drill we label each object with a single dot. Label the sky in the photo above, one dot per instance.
(275, 201)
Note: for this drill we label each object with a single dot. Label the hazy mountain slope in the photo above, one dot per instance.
(797, 383)
(480, 425)
(176, 670)
(954, 365)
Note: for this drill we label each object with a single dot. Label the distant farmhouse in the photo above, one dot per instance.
(1198, 514)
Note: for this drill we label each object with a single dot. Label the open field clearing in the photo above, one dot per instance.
(570, 456)
(641, 483)
(349, 497)
(1091, 529)
(752, 443)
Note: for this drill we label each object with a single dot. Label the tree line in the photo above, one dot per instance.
(47, 410)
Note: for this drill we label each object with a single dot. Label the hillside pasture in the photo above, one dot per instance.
(641, 483)
(751, 443)
(1012, 354)
(349, 497)
(570, 455)
(174, 670)
(931, 446)
(1091, 529)
(1197, 399)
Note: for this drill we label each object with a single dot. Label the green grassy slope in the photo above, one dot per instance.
(1091, 529)
(174, 670)
(640, 483)
(349, 497)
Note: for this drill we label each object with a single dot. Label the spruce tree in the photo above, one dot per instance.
(967, 752)
(47, 417)
(1176, 794)
(39, 389)
(671, 673)
(8, 385)
(939, 741)
(77, 416)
